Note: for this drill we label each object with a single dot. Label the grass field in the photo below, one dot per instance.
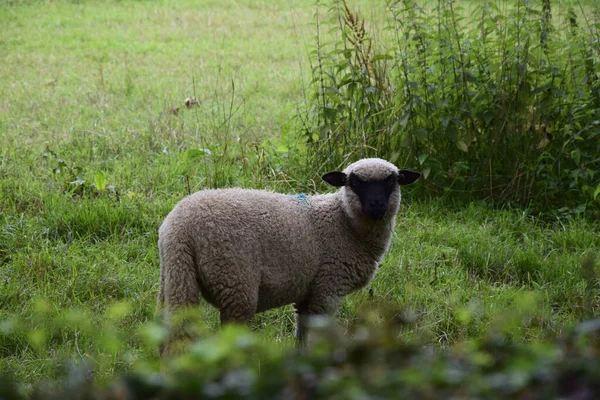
(97, 145)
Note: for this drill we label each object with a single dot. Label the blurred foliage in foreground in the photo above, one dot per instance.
(237, 363)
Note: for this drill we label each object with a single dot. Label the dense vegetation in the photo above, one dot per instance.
(495, 101)
(113, 111)
(237, 364)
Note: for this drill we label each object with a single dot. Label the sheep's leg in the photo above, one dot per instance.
(327, 290)
(318, 304)
(301, 322)
(179, 289)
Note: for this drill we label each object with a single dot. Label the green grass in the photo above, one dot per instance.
(89, 90)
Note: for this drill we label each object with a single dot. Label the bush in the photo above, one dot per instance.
(236, 364)
(491, 103)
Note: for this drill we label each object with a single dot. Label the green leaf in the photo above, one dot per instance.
(332, 89)
(487, 116)
(576, 156)
(426, 173)
(100, 180)
(193, 154)
(420, 134)
(118, 311)
(282, 147)
(153, 334)
(597, 192)
(446, 120)
(452, 133)
(404, 120)
(38, 338)
(462, 146)
(329, 113)
(422, 157)
(378, 57)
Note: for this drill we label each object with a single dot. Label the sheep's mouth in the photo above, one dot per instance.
(375, 213)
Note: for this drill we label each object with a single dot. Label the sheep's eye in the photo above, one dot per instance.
(354, 183)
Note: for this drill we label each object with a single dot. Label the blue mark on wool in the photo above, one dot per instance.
(302, 199)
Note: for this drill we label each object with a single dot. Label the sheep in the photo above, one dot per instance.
(247, 251)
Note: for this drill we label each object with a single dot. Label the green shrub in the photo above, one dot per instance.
(491, 102)
(237, 364)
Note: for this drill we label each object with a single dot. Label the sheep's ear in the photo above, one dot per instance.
(406, 177)
(335, 178)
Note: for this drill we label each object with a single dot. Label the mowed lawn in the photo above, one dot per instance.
(97, 145)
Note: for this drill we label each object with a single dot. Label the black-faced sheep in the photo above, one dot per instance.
(247, 251)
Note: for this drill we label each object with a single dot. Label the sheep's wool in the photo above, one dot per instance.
(371, 169)
(246, 251)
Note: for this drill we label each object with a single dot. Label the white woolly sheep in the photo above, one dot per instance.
(247, 251)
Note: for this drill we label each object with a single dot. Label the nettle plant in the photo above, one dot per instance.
(494, 103)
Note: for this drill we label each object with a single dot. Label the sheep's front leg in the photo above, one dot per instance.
(301, 322)
(316, 305)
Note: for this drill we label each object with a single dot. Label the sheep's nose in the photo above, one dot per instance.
(376, 208)
(376, 203)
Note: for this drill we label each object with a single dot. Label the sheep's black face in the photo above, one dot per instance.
(371, 187)
(374, 195)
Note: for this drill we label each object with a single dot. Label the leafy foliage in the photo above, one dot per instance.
(236, 364)
(73, 179)
(498, 103)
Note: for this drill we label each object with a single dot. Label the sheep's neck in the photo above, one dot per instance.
(371, 238)
(374, 236)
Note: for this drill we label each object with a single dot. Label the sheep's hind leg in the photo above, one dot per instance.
(179, 291)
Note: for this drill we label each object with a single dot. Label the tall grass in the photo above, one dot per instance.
(490, 101)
